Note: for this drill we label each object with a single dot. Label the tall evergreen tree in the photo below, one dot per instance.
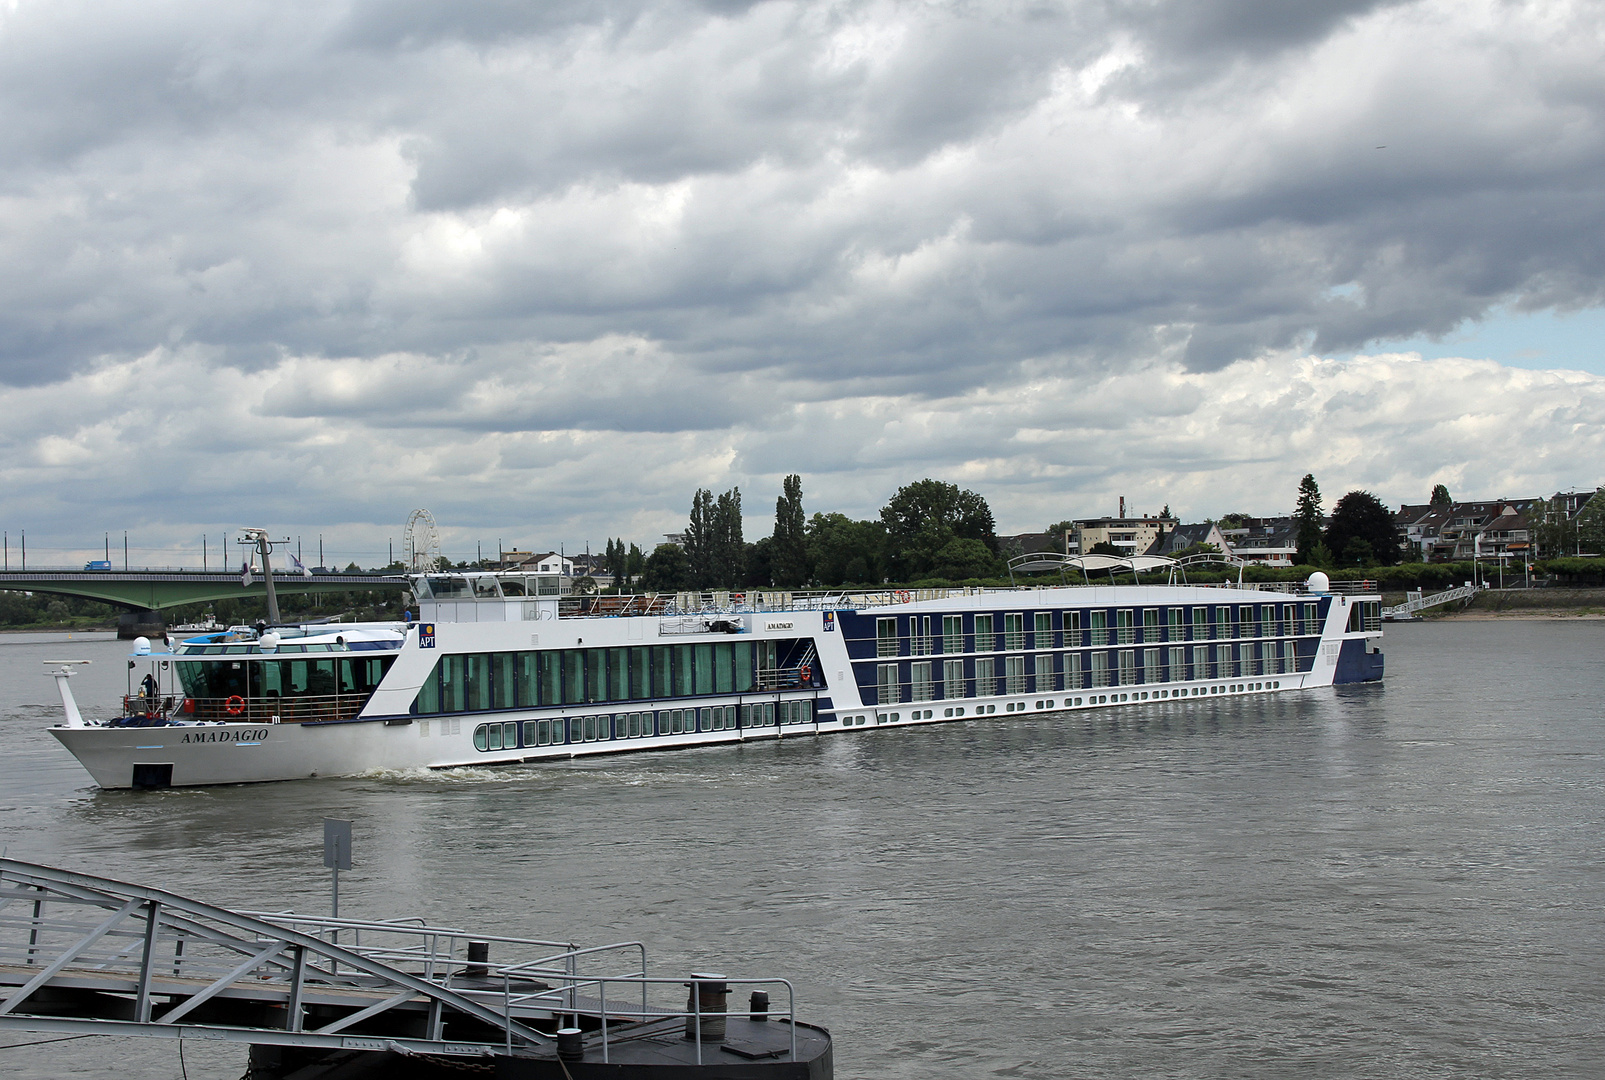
(699, 540)
(1440, 496)
(1308, 516)
(789, 552)
(729, 562)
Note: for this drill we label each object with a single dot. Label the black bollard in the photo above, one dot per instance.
(758, 1008)
(478, 953)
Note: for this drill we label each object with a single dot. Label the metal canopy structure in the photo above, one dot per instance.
(1132, 564)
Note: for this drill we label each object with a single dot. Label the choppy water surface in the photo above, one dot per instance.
(1402, 880)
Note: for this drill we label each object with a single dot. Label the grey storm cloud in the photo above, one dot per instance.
(594, 255)
(919, 196)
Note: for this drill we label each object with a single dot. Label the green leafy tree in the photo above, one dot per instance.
(964, 558)
(1361, 515)
(842, 550)
(760, 563)
(924, 517)
(1104, 547)
(1308, 516)
(666, 569)
(789, 554)
(1440, 496)
(1591, 525)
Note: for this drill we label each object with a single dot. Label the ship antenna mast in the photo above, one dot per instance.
(258, 538)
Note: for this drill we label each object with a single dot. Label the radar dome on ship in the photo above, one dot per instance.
(1318, 583)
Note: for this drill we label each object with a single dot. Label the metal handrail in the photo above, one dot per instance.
(289, 709)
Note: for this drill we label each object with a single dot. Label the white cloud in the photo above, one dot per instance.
(551, 267)
(1041, 447)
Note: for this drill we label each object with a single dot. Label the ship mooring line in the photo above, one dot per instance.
(44, 1042)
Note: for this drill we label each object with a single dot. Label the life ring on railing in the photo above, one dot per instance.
(903, 597)
(805, 675)
(234, 705)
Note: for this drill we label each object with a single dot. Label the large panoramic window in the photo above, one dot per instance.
(480, 682)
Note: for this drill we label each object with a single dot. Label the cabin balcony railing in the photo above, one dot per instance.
(292, 709)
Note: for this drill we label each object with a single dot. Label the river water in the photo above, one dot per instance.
(1401, 880)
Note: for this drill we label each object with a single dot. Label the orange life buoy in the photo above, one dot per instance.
(235, 705)
(903, 596)
(805, 674)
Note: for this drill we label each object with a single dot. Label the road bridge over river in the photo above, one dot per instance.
(154, 590)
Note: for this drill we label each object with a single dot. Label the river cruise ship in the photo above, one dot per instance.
(511, 667)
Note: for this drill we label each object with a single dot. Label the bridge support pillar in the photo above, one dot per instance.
(147, 623)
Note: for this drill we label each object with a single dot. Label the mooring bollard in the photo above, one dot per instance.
(709, 993)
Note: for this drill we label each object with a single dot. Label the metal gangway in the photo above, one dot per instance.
(88, 955)
(1415, 601)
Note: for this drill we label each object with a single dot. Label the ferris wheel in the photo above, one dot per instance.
(421, 542)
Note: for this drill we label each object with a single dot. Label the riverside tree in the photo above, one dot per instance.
(714, 551)
(1362, 532)
(1308, 516)
(788, 550)
(924, 517)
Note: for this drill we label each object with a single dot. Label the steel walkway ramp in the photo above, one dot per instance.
(81, 954)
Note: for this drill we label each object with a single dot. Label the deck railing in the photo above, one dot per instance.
(295, 709)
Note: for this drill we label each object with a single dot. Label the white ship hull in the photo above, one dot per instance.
(400, 727)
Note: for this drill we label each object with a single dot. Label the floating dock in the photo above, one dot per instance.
(323, 997)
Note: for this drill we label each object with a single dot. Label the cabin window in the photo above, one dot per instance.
(724, 667)
(953, 633)
(1150, 624)
(1150, 666)
(984, 639)
(1044, 672)
(1014, 674)
(921, 680)
(920, 630)
(886, 637)
(1173, 625)
(886, 684)
(481, 738)
(1245, 621)
(1100, 627)
(493, 737)
(1128, 667)
(682, 671)
(477, 684)
(1100, 668)
(702, 659)
(662, 683)
(1124, 634)
(1223, 623)
(986, 680)
(745, 683)
(573, 676)
(953, 678)
(1042, 631)
(1072, 671)
(1013, 631)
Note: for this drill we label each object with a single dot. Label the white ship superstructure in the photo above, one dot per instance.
(509, 667)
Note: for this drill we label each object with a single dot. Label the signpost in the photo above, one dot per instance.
(336, 852)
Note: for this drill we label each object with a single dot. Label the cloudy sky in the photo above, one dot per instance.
(546, 268)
